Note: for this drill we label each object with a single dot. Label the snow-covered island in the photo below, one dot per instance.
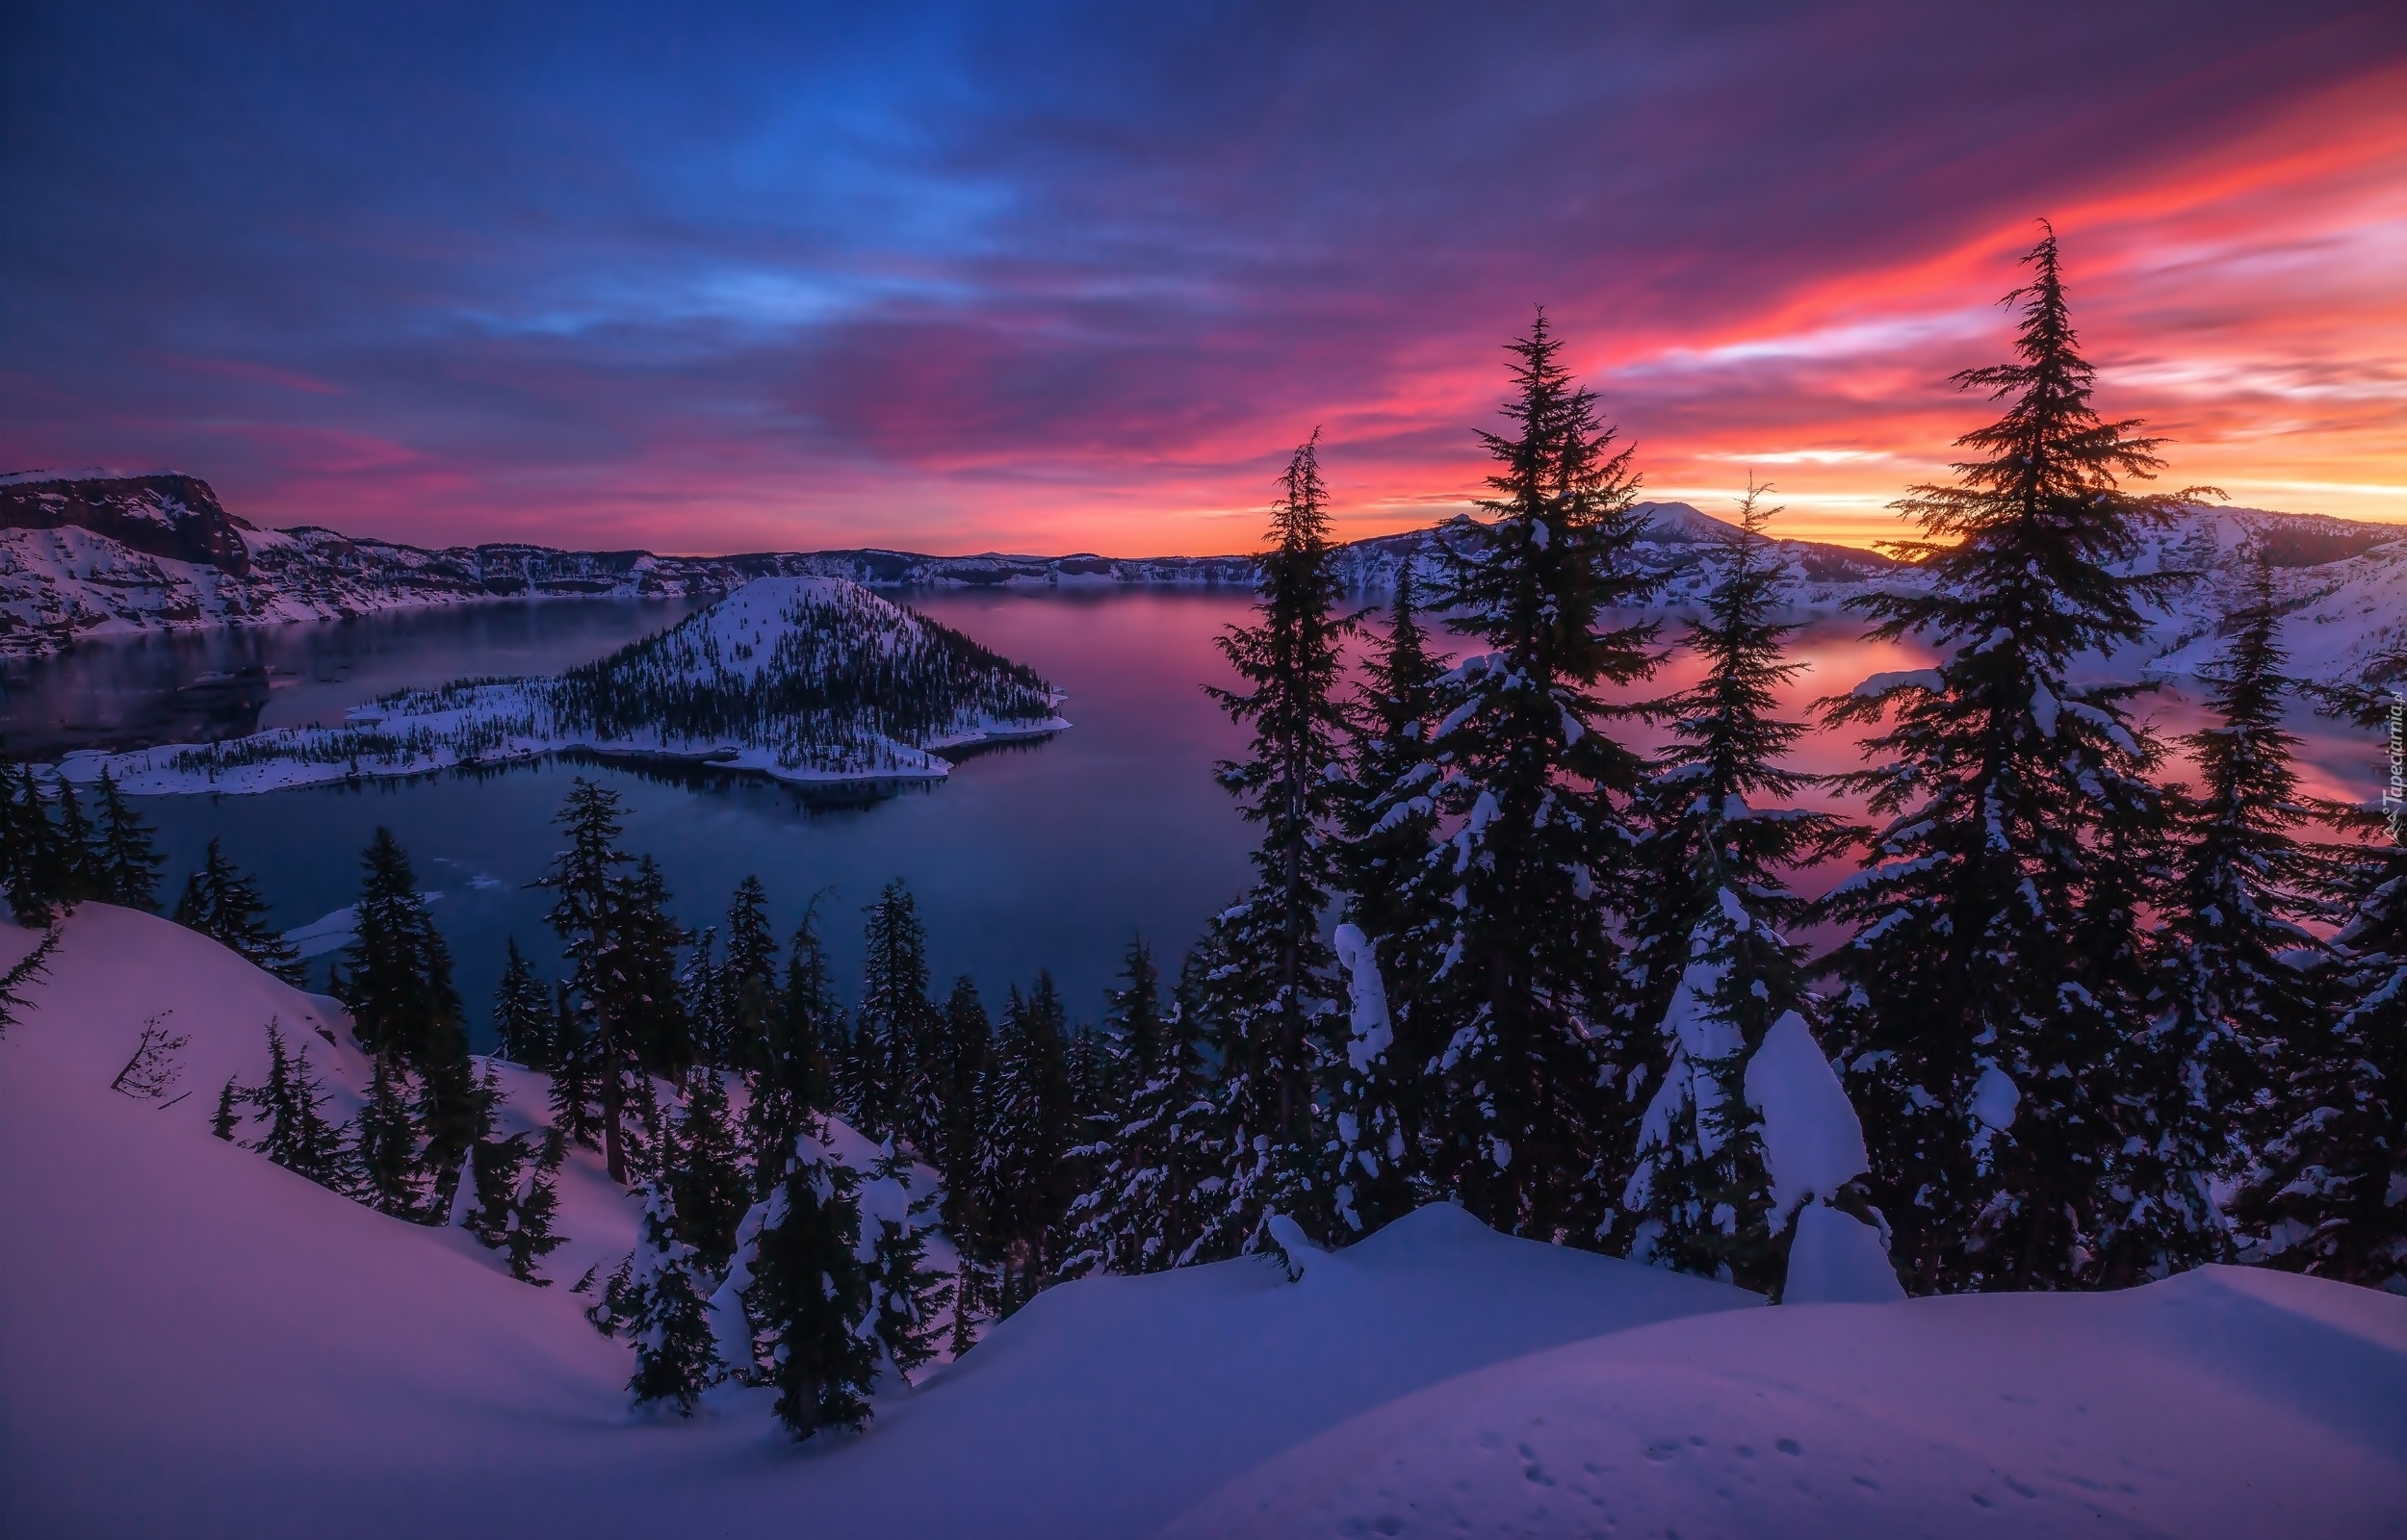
(802, 679)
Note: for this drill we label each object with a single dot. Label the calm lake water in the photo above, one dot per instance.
(1051, 855)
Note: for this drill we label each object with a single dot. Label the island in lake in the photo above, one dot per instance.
(804, 680)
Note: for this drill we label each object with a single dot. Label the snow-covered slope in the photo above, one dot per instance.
(798, 679)
(196, 1344)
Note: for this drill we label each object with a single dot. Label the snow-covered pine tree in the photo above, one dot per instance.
(796, 1078)
(641, 991)
(906, 1296)
(666, 1311)
(706, 1175)
(1153, 1200)
(123, 852)
(35, 866)
(698, 987)
(2240, 979)
(1522, 979)
(576, 1074)
(531, 1237)
(82, 877)
(1993, 993)
(1709, 965)
(299, 1138)
(747, 979)
(899, 1087)
(2328, 1194)
(585, 881)
(968, 1049)
(396, 981)
(490, 1181)
(1378, 1101)
(522, 1013)
(1022, 1184)
(809, 1294)
(1267, 1000)
(224, 905)
(386, 1145)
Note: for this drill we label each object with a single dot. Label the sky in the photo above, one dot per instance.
(1048, 278)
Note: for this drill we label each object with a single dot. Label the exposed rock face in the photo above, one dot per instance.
(177, 517)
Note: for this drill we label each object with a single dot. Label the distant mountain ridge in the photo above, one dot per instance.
(98, 553)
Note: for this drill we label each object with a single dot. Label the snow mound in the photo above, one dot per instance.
(2222, 1402)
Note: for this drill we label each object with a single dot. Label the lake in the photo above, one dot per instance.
(1048, 854)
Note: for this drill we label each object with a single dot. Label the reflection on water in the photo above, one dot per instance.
(1049, 853)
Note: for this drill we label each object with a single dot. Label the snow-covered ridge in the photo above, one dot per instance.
(805, 680)
(205, 1344)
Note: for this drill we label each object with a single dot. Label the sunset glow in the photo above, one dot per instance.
(1082, 286)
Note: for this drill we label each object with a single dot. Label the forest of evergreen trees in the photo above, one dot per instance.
(2099, 1024)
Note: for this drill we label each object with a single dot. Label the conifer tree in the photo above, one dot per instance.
(523, 1014)
(1152, 1204)
(299, 1137)
(531, 1237)
(227, 1120)
(1709, 965)
(33, 864)
(898, 1089)
(1520, 962)
(490, 1182)
(796, 1079)
(603, 985)
(747, 980)
(391, 1175)
(82, 877)
(1379, 1096)
(666, 1312)
(1994, 990)
(224, 905)
(906, 1296)
(1022, 1186)
(642, 990)
(968, 1052)
(2240, 979)
(705, 1169)
(2327, 1195)
(698, 988)
(576, 1075)
(124, 854)
(808, 1293)
(397, 981)
(1268, 1000)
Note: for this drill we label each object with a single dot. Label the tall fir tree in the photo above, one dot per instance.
(705, 1170)
(1268, 1000)
(576, 1098)
(223, 904)
(299, 1137)
(898, 1090)
(1151, 1203)
(1994, 990)
(396, 981)
(747, 980)
(1709, 964)
(2327, 1194)
(1522, 982)
(796, 1079)
(2240, 977)
(1380, 1102)
(83, 877)
(125, 855)
(969, 1054)
(667, 1312)
(531, 1234)
(808, 1292)
(391, 1172)
(35, 865)
(522, 1013)
(1022, 1179)
(907, 1298)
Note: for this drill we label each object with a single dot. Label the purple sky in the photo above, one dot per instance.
(1048, 278)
